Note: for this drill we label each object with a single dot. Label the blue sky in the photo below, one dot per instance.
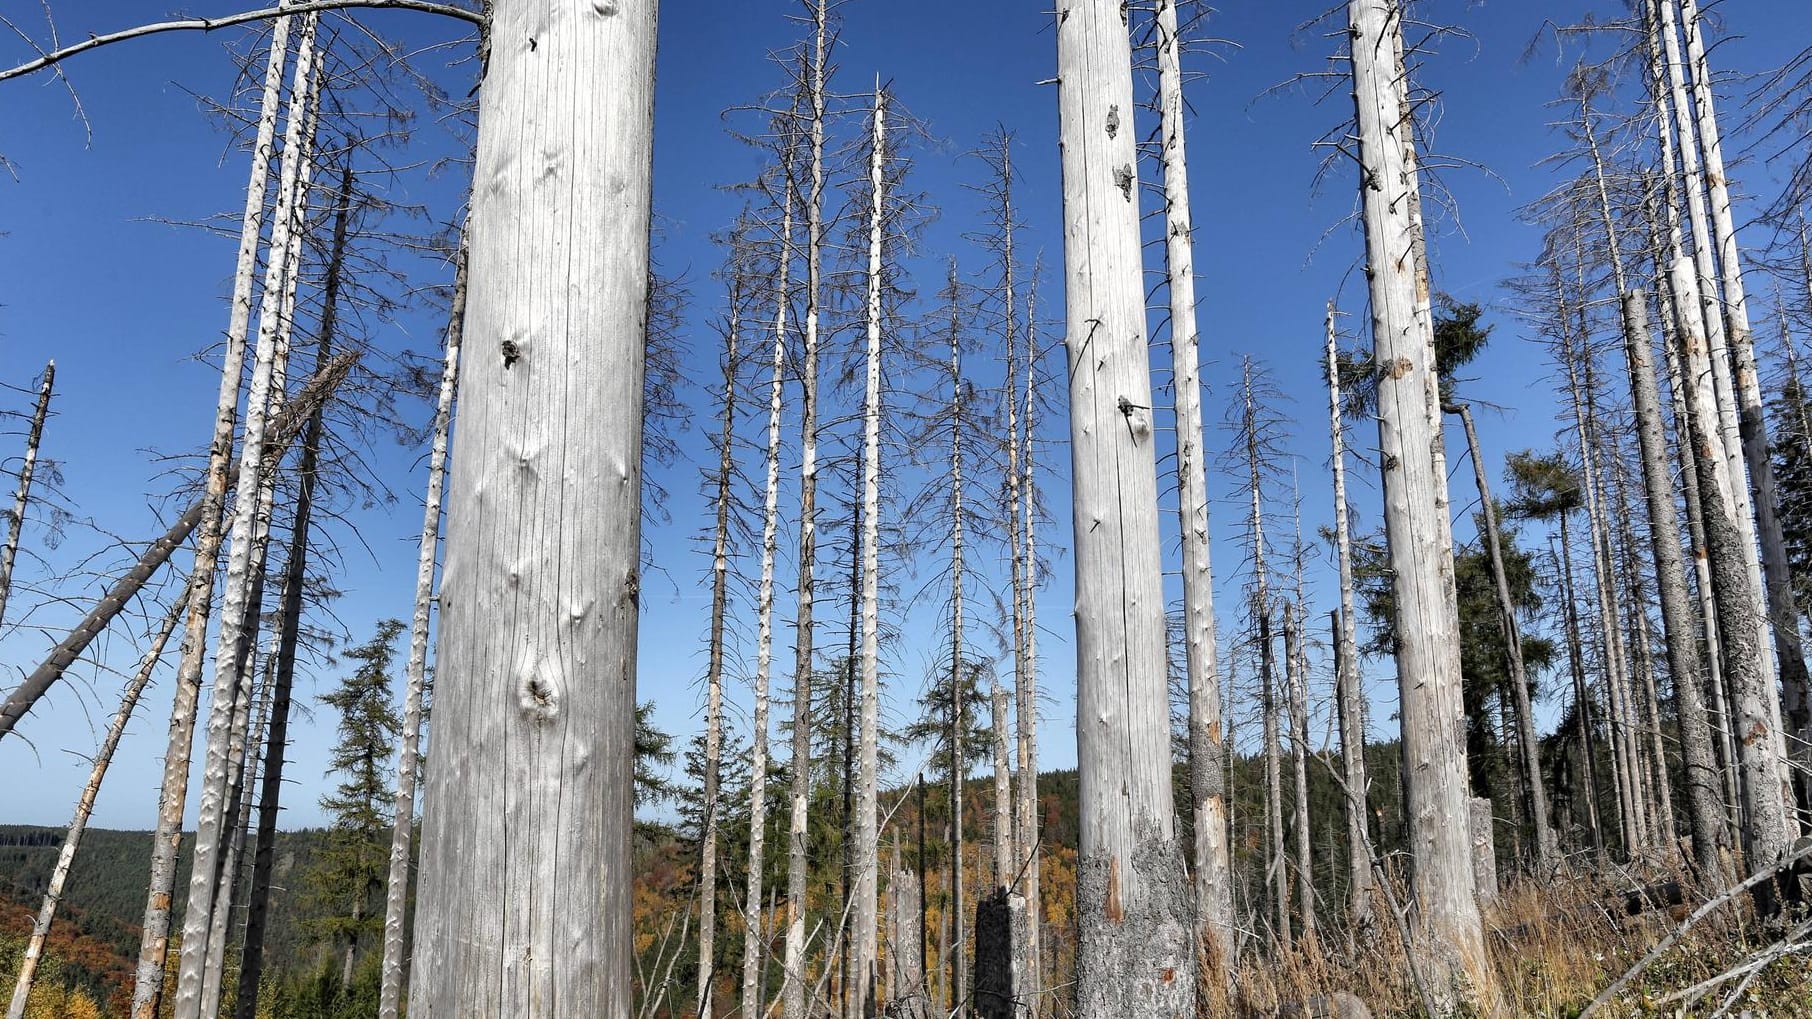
(90, 275)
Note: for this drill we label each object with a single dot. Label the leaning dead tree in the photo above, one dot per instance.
(535, 715)
(72, 836)
(1135, 951)
(1449, 947)
(16, 520)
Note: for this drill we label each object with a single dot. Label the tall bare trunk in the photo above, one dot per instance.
(704, 1004)
(72, 838)
(1705, 812)
(238, 611)
(1296, 667)
(792, 983)
(16, 521)
(1765, 792)
(1449, 945)
(524, 902)
(1135, 949)
(1547, 849)
(1349, 692)
(408, 764)
(154, 940)
(754, 942)
(1752, 423)
(865, 916)
(1026, 704)
(1212, 871)
(1582, 697)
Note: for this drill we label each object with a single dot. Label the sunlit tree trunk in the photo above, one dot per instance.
(10, 551)
(72, 838)
(524, 902)
(1295, 666)
(1349, 692)
(1135, 953)
(245, 563)
(1449, 946)
(1212, 872)
(754, 940)
(408, 764)
(154, 937)
(792, 982)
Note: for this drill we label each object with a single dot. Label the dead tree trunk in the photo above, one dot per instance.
(1766, 794)
(1295, 666)
(720, 599)
(154, 940)
(905, 945)
(865, 964)
(1348, 690)
(1547, 850)
(10, 551)
(1212, 872)
(754, 943)
(1705, 812)
(524, 902)
(1026, 827)
(237, 610)
(1133, 900)
(72, 839)
(1449, 946)
(792, 980)
(402, 832)
(1752, 422)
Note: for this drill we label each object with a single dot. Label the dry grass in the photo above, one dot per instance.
(1554, 949)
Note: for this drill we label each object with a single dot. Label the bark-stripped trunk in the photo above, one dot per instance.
(798, 872)
(1026, 707)
(1449, 946)
(1632, 814)
(1766, 795)
(72, 839)
(16, 521)
(1704, 810)
(720, 599)
(865, 915)
(1752, 422)
(1296, 666)
(1135, 953)
(1728, 427)
(906, 960)
(1582, 697)
(1276, 869)
(754, 943)
(524, 903)
(408, 764)
(1211, 870)
(1349, 692)
(1547, 849)
(238, 610)
(154, 940)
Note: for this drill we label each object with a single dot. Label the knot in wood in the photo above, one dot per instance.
(1123, 177)
(538, 698)
(511, 352)
(1113, 120)
(1400, 367)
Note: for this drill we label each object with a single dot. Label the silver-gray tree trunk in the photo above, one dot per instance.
(865, 914)
(72, 838)
(798, 870)
(524, 902)
(1449, 945)
(1296, 667)
(16, 520)
(754, 940)
(1349, 692)
(1207, 756)
(1135, 952)
(154, 938)
(408, 760)
(1752, 422)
